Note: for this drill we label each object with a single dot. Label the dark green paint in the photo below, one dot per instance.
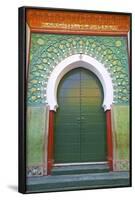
(80, 127)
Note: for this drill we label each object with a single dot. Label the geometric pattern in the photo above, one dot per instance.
(47, 50)
(121, 165)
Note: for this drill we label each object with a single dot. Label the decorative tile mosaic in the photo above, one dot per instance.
(121, 165)
(121, 137)
(36, 130)
(47, 50)
(35, 171)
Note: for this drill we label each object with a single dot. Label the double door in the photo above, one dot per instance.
(80, 124)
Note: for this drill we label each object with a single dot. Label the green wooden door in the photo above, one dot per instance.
(80, 127)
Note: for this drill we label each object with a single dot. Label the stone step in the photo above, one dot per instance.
(80, 169)
(77, 182)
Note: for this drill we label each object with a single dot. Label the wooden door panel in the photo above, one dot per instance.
(91, 101)
(67, 158)
(92, 157)
(67, 128)
(91, 110)
(70, 92)
(93, 132)
(80, 129)
(71, 109)
(69, 101)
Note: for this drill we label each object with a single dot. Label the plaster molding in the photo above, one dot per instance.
(75, 61)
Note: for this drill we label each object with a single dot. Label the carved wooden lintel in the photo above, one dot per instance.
(59, 20)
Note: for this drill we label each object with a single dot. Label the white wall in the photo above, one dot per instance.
(8, 98)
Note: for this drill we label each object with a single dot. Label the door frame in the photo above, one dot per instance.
(59, 71)
(50, 154)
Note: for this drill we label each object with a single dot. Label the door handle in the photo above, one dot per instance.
(78, 119)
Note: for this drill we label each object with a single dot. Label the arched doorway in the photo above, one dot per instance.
(80, 121)
(68, 64)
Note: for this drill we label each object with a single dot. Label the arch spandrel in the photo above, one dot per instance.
(73, 62)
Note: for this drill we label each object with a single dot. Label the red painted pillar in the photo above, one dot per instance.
(50, 142)
(109, 139)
